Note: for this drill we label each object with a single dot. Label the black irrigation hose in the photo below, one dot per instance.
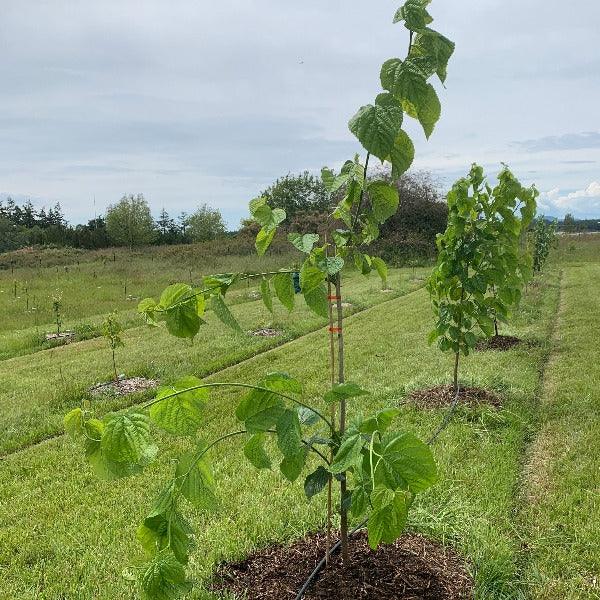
(432, 439)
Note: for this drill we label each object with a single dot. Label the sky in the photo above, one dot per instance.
(194, 101)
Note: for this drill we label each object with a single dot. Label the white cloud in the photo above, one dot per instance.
(584, 203)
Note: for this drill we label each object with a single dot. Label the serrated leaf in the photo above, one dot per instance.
(316, 481)
(126, 436)
(291, 466)
(223, 313)
(432, 44)
(164, 578)
(348, 454)
(179, 414)
(289, 434)
(414, 15)
(305, 242)
(402, 155)
(284, 289)
(195, 481)
(343, 391)
(265, 292)
(404, 462)
(381, 269)
(380, 422)
(183, 320)
(263, 239)
(254, 451)
(331, 264)
(312, 283)
(307, 416)
(376, 127)
(386, 523)
(174, 294)
(429, 110)
(74, 423)
(384, 200)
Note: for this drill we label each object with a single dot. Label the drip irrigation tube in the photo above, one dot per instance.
(432, 439)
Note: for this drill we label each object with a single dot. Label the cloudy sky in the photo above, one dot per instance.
(197, 101)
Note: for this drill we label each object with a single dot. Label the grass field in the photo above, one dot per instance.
(518, 492)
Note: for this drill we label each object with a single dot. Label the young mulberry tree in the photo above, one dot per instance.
(379, 469)
(480, 271)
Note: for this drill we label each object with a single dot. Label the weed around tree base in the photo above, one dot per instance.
(443, 395)
(123, 387)
(413, 567)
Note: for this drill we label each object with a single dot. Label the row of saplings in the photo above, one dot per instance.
(378, 470)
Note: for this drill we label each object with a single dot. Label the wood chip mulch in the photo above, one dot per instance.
(499, 342)
(413, 568)
(66, 336)
(443, 395)
(124, 386)
(266, 332)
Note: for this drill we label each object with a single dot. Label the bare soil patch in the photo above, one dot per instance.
(443, 395)
(124, 386)
(412, 568)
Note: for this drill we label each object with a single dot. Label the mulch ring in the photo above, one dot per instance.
(499, 342)
(443, 395)
(412, 568)
(124, 386)
(65, 336)
(266, 332)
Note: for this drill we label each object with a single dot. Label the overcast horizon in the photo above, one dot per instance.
(213, 102)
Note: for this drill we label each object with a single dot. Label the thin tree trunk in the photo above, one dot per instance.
(332, 415)
(341, 379)
(496, 327)
(456, 371)
(115, 366)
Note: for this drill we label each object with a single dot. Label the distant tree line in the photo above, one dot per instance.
(572, 225)
(129, 223)
(407, 237)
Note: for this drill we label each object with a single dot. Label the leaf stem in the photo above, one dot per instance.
(240, 385)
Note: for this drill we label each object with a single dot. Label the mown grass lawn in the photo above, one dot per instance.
(36, 390)
(67, 535)
(562, 508)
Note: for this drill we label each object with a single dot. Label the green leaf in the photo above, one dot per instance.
(348, 454)
(312, 283)
(414, 15)
(291, 466)
(434, 45)
(305, 242)
(263, 239)
(255, 452)
(331, 264)
(343, 391)
(384, 200)
(265, 292)
(126, 436)
(195, 480)
(289, 434)
(284, 289)
(381, 269)
(429, 110)
(175, 294)
(405, 462)
(402, 154)
(261, 409)
(380, 422)
(376, 127)
(316, 482)
(387, 522)
(179, 414)
(164, 578)
(224, 314)
(307, 416)
(74, 423)
(183, 320)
